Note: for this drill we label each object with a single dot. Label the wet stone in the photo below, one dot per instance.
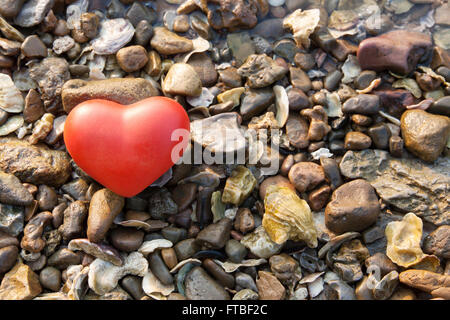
(366, 104)
(63, 258)
(168, 43)
(182, 79)
(441, 106)
(159, 268)
(353, 207)
(132, 58)
(244, 221)
(10, 8)
(380, 135)
(396, 146)
(332, 80)
(204, 67)
(12, 191)
(300, 79)
(215, 235)
(225, 279)
(139, 12)
(8, 257)
(306, 176)
(355, 140)
(126, 239)
(230, 77)
(318, 198)
(298, 100)
(364, 79)
(255, 101)
(297, 131)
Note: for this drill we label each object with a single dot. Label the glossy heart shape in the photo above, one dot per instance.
(126, 148)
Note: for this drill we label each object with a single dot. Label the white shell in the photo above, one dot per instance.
(104, 276)
(182, 263)
(11, 100)
(351, 69)
(151, 285)
(113, 35)
(315, 287)
(149, 246)
(203, 100)
(322, 152)
(334, 106)
(11, 125)
(232, 267)
(282, 105)
(200, 45)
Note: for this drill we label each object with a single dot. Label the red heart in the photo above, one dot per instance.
(125, 148)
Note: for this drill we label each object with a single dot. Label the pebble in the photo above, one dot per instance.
(33, 12)
(367, 104)
(46, 197)
(425, 134)
(438, 242)
(126, 239)
(20, 283)
(297, 131)
(182, 79)
(300, 79)
(355, 140)
(204, 67)
(364, 79)
(143, 33)
(200, 286)
(181, 23)
(256, 101)
(118, 90)
(132, 58)
(225, 279)
(424, 280)
(396, 146)
(168, 43)
(133, 285)
(10, 8)
(170, 257)
(215, 235)
(34, 108)
(173, 234)
(103, 208)
(353, 207)
(380, 260)
(332, 80)
(235, 251)
(260, 244)
(159, 268)
(331, 170)
(384, 52)
(50, 278)
(139, 12)
(298, 100)
(246, 294)
(238, 186)
(245, 281)
(318, 198)
(441, 106)
(380, 135)
(12, 191)
(34, 164)
(261, 71)
(8, 257)
(33, 47)
(306, 176)
(186, 249)
(244, 221)
(283, 267)
(269, 287)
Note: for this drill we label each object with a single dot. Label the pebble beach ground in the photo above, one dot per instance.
(353, 97)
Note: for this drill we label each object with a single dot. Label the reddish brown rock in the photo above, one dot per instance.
(306, 175)
(269, 287)
(398, 51)
(424, 280)
(21, 283)
(234, 15)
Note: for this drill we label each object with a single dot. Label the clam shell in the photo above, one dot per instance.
(410, 85)
(11, 100)
(230, 267)
(302, 24)
(152, 285)
(350, 69)
(150, 246)
(113, 35)
(12, 124)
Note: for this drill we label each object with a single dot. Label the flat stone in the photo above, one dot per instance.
(120, 90)
(407, 184)
(182, 79)
(35, 164)
(241, 46)
(8, 258)
(168, 43)
(424, 280)
(33, 12)
(132, 58)
(205, 68)
(12, 191)
(21, 283)
(366, 104)
(441, 106)
(33, 47)
(425, 134)
(200, 286)
(260, 244)
(398, 51)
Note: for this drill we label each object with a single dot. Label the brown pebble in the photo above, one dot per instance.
(127, 239)
(225, 279)
(357, 141)
(33, 47)
(318, 198)
(244, 221)
(34, 108)
(170, 257)
(269, 287)
(132, 58)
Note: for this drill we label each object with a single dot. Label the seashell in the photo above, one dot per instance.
(392, 119)
(302, 24)
(288, 217)
(422, 105)
(315, 287)
(386, 286)
(101, 251)
(282, 105)
(104, 276)
(42, 128)
(152, 286)
(161, 181)
(199, 44)
(238, 186)
(322, 152)
(9, 31)
(181, 264)
(136, 224)
(350, 69)
(217, 206)
(336, 242)
(12, 124)
(113, 35)
(342, 290)
(375, 83)
(403, 240)
(79, 285)
(150, 246)
(33, 12)
(204, 99)
(231, 267)
(23, 81)
(74, 12)
(260, 244)
(334, 106)
(429, 263)
(11, 100)
(310, 278)
(233, 95)
(410, 85)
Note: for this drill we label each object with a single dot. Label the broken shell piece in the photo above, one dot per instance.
(315, 287)
(334, 105)
(351, 69)
(288, 217)
(113, 35)
(12, 124)
(375, 83)
(230, 267)
(403, 240)
(238, 186)
(311, 278)
(22, 80)
(199, 44)
(101, 251)
(233, 95)
(104, 276)
(152, 286)
(217, 206)
(282, 105)
(11, 100)
(302, 25)
(150, 246)
(422, 105)
(429, 263)
(79, 285)
(410, 85)
(204, 99)
(42, 128)
(181, 264)
(336, 242)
